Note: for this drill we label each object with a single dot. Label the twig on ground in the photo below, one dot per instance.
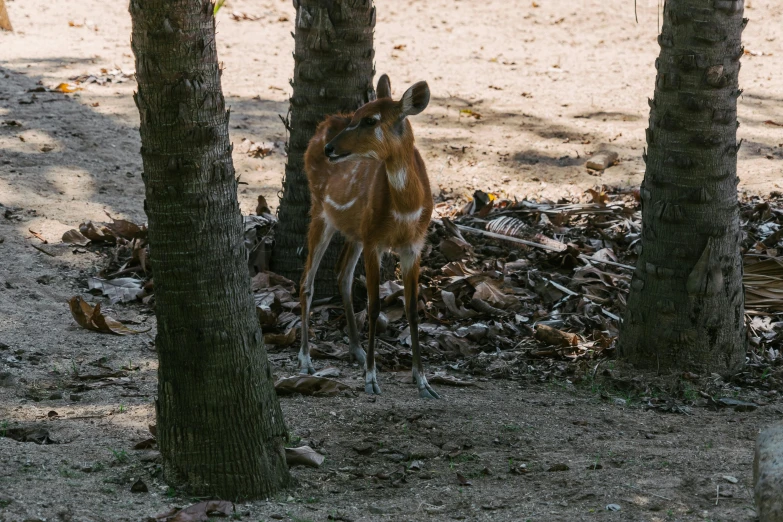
(610, 263)
(38, 235)
(42, 250)
(501, 236)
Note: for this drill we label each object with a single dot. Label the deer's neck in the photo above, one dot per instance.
(404, 184)
(405, 187)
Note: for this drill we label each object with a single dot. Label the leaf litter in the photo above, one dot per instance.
(516, 289)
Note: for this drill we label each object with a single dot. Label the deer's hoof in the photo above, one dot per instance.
(372, 388)
(428, 393)
(371, 382)
(358, 355)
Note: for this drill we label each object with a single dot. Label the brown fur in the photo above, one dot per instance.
(370, 220)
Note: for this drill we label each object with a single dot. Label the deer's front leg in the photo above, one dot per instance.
(372, 270)
(318, 238)
(350, 256)
(409, 262)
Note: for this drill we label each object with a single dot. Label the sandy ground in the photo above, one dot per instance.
(552, 84)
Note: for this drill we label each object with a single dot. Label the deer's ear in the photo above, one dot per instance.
(415, 99)
(384, 87)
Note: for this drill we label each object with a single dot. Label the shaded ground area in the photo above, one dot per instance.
(522, 96)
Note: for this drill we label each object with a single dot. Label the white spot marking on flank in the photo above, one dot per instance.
(338, 206)
(376, 116)
(379, 133)
(398, 179)
(407, 217)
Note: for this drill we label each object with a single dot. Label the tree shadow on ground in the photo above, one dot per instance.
(57, 147)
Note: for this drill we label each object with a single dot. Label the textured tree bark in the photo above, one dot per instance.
(685, 308)
(5, 22)
(333, 72)
(220, 427)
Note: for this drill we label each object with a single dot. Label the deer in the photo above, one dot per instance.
(368, 181)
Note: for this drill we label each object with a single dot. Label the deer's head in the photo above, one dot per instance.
(379, 129)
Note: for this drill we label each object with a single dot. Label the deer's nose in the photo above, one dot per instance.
(329, 149)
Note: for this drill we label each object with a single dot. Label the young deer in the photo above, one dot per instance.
(368, 181)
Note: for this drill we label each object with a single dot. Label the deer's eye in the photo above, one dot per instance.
(369, 122)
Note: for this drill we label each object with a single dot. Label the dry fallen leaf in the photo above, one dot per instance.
(262, 207)
(92, 319)
(490, 293)
(326, 350)
(457, 270)
(450, 300)
(764, 284)
(549, 335)
(455, 249)
(599, 197)
(145, 444)
(125, 229)
(122, 289)
(303, 456)
(74, 237)
(267, 280)
(310, 385)
(93, 233)
(470, 112)
(66, 88)
(448, 380)
(268, 308)
(240, 17)
(281, 339)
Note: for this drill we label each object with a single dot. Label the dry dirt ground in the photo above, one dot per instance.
(551, 84)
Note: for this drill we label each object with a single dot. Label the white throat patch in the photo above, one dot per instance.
(338, 206)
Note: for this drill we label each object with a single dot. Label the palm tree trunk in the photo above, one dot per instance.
(685, 308)
(333, 72)
(220, 426)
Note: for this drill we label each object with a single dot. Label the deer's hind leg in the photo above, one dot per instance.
(318, 238)
(409, 263)
(348, 259)
(372, 271)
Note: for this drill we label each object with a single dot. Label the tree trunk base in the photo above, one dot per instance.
(768, 474)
